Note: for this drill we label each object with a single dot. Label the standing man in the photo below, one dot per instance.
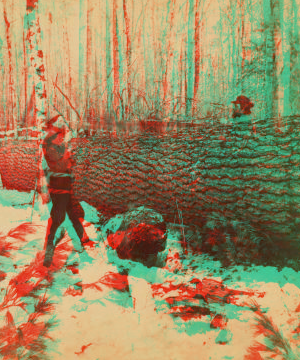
(242, 106)
(57, 182)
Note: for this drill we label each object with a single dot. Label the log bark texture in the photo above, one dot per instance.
(229, 169)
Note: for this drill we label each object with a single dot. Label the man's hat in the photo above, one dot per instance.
(243, 101)
(52, 121)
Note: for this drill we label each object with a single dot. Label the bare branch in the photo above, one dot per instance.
(66, 97)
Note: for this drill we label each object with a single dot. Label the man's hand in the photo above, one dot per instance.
(45, 197)
(42, 190)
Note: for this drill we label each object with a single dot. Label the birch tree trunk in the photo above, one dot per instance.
(146, 57)
(10, 104)
(36, 61)
(167, 41)
(25, 120)
(81, 65)
(175, 79)
(277, 61)
(128, 50)
(295, 60)
(181, 75)
(36, 56)
(197, 49)
(116, 56)
(3, 123)
(109, 67)
(88, 69)
(190, 62)
(285, 77)
(270, 58)
(234, 49)
(17, 91)
(68, 78)
(121, 67)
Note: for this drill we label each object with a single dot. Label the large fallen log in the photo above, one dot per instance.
(243, 170)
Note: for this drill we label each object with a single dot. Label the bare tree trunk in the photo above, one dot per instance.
(285, 78)
(109, 66)
(197, 49)
(295, 57)
(270, 57)
(17, 91)
(128, 50)
(276, 62)
(243, 38)
(170, 19)
(2, 111)
(146, 56)
(86, 113)
(25, 117)
(68, 80)
(11, 91)
(36, 61)
(81, 69)
(181, 75)
(116, 56)
(190, 62)
(121, 69)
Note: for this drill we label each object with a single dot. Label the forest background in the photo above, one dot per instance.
(163, 59)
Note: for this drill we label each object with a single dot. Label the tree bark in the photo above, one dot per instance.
(36, 61)
(169, 20)
(25, 117)
(128, 50)
(197, 49)
(81, 69)
(190, 167)
(270, 62)
(10, 104)
(116, 56)
(295, 60)
(109, 66)
(285, 77)
(190, 63)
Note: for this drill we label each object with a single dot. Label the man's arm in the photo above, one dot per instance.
(69, 135)
(43, 180)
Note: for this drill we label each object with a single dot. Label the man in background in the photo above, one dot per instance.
(242, 106)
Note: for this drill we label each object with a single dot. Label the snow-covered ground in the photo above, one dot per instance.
(190, 309)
